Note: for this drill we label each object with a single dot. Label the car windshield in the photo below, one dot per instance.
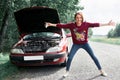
(42, 35)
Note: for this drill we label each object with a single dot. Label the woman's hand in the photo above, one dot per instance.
(111, 23)
(47, 24)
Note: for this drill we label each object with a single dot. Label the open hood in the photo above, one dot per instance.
(30, 20)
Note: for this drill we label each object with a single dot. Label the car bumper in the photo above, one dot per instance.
(38, 60)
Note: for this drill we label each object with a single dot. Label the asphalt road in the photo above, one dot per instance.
(82, 68)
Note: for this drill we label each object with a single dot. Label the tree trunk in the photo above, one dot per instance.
(3, 28)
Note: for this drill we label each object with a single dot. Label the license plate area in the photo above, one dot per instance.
(29, 58)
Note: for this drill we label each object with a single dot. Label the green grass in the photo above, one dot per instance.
(6, 68)
(115, 41)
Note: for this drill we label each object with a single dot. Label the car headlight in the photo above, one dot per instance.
(17, 51)
(54, 49)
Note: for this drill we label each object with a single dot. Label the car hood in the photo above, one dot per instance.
(30, 20)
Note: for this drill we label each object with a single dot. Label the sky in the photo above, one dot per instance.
(101, 11)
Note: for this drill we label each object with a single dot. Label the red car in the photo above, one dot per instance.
(38, 45)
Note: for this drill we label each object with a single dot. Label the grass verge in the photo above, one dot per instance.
(6, 68)
(115, 41)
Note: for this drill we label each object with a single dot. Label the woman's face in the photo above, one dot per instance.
(78, 18)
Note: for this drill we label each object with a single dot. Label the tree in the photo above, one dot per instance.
(110, 33)
(4, 10)
(114, 32)
(117, 31)
(90, 32)
(7, 23)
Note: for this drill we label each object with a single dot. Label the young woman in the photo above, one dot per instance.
(79, 32)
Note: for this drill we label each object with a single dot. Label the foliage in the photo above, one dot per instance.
(110, 33)
(6, 68)
(117, 31)
(90, 32)
(114, 32)
(4, 10)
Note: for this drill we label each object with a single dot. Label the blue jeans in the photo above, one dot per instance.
(85, 46)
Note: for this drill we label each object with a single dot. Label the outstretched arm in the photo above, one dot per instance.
(110, 23)
(47, 24)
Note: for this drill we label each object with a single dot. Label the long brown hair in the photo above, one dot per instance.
(79, 13)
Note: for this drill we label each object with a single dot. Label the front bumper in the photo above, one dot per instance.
(38, 60)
